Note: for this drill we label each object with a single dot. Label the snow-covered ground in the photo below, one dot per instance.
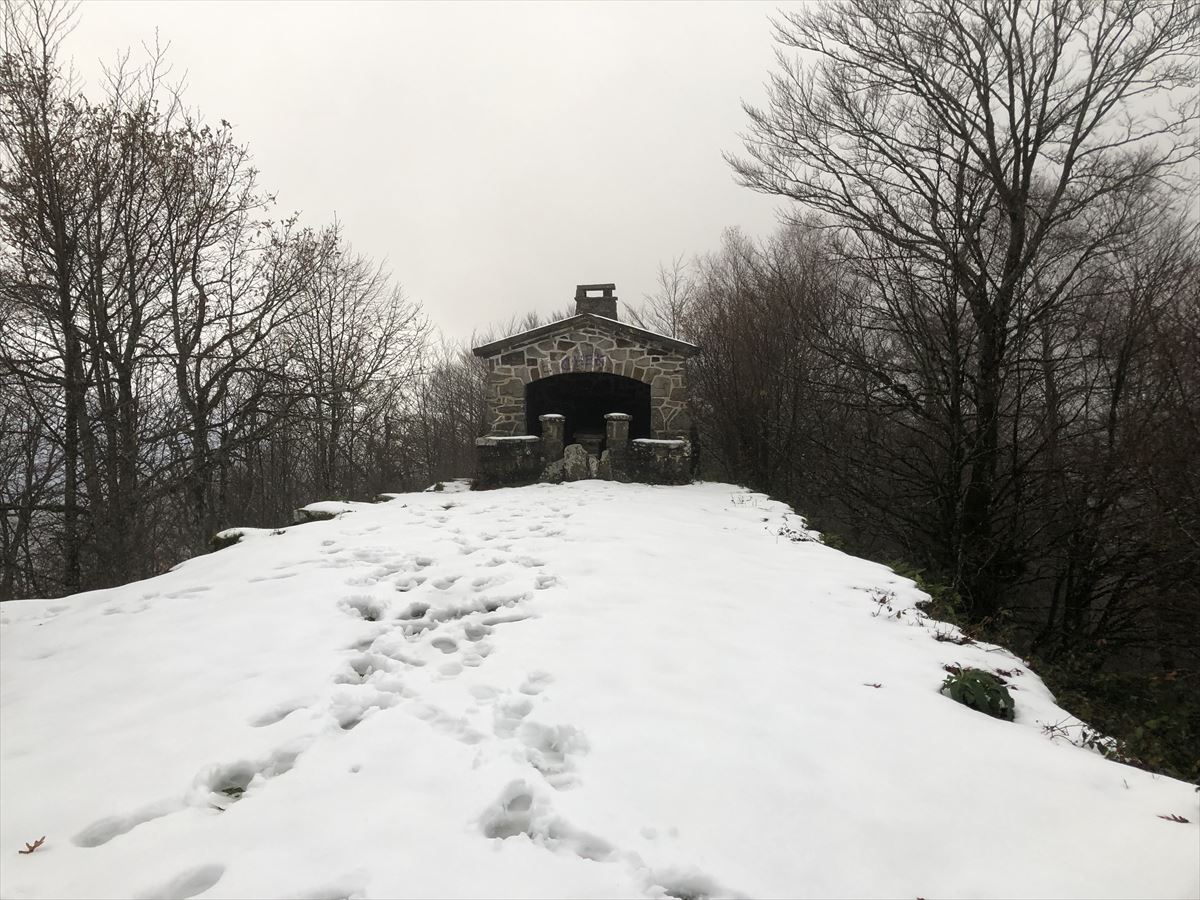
(585, 690)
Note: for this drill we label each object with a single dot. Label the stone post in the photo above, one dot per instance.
(552, 436)
(617, 428)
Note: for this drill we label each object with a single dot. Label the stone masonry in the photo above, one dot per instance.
(586, 345)
(592, 341)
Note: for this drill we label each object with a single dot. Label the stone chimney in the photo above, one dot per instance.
(603, 305)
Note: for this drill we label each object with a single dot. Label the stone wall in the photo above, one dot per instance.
(659, 462)
(513, 461)
(589, 348)
(509, 461)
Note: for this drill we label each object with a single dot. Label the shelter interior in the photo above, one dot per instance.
(583, 399)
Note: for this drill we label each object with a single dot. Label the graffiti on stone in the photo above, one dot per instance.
(583, 359)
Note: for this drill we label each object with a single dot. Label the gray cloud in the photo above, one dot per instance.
(495, 154)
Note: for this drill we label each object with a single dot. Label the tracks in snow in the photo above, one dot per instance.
(424, 619)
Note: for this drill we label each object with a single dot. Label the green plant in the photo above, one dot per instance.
(834, 540)
(1154, 717)
(980, 690)
(944, 603)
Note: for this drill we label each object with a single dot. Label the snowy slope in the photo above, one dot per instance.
(586, 690)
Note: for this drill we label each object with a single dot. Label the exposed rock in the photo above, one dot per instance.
(604, 466)
(308, 514)
(553, 473)
(236, 535)
(226, 538)
(575, 463)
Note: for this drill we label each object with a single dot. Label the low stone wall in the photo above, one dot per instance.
(525, 459)
(509, 461)
(659, 462)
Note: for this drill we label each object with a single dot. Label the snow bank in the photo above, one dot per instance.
(584, 690)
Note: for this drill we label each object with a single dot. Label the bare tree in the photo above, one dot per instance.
(753, 308)
(980, 141)
(233, 278)
(169, 354)
(448, 412)
(666, 310)
(355, 350)
(43, 211)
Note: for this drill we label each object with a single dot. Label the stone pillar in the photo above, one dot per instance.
(617, 428)
(616, 455)
(552, 436)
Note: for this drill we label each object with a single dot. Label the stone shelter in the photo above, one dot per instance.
(587, 396)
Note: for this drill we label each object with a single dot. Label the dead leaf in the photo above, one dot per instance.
(29, 848)
(1174, 818)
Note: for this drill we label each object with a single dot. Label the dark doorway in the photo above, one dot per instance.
(584, 398)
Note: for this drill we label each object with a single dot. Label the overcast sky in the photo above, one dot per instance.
(496, 154)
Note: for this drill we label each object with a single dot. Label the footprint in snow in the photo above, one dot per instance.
(536, 682)
(508, 713)
(450, 669)
(279, 577)
(214, 787)
(520, 811)
(189, 592)
(350, 708)
(415, 610)
(276, 713)
(445, 644)
(364, 606)
(124, 610)
(551, 750)
(187, 884)
(360, 667)
(220, 786)
(686, 884)
(476, 631)
(456, 727)
(104, 830)
(348, 888)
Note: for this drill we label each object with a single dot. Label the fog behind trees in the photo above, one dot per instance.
(974, 349)
(176, 357)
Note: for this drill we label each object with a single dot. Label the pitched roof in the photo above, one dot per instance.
(683, 348)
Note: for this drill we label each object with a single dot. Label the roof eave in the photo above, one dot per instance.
(682, 347)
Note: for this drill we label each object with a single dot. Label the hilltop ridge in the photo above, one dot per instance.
(585, 690)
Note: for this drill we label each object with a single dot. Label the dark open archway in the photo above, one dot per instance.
(584, 398)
